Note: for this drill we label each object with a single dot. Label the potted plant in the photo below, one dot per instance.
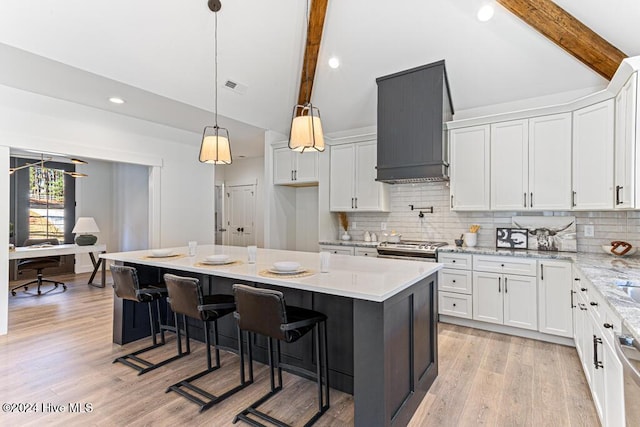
(344, 221)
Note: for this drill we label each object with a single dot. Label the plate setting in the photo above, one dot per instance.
(285, 273)
(214, 262)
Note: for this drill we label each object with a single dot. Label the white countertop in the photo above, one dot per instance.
(372, 279)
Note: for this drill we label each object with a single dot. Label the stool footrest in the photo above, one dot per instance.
(147, 366)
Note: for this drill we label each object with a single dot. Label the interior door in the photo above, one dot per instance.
(241, 223)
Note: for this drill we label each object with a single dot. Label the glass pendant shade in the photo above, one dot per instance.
(215, 148)
(306, 129)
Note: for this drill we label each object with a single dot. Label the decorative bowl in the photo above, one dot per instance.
(217, 258)
(161, 252)
(286, 266)
(607, 249)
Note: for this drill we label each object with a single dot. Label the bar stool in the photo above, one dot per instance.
(264, 311)
(127, 286)
(186, 298)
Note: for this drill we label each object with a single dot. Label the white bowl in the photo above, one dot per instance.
(161, 252)
(217, 258)
(607, 249)
(286, 266)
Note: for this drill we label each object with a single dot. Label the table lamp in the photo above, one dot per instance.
(83, 229)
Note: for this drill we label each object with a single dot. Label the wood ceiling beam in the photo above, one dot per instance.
(569, 33)
(317, 14)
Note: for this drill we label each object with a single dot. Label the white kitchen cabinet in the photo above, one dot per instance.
(370, 252)
(451, 280)
(502, 298)
(337, 249)
(294, 168)
(470, 168)
(555, 312)
(625, 145)
(530, 163)
(593, 136)
(455, 285)
(455, 260)
(352, 185)
(454, 304)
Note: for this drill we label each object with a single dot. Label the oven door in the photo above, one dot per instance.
(405, 257)
(629, 354)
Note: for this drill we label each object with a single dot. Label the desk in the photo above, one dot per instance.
(66, 249)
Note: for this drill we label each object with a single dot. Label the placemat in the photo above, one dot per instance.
(267, 273)
(168, 257)
(231, 264)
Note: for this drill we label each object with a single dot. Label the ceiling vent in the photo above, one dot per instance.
(236, 87)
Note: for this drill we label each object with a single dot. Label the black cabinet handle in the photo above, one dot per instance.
(608, 325)
(356, 203)
(593, 303)
(505, 285)
(453, 281)
(618, 201)
(452, 201)
(499, 282)
(525, 200)
(571, 293)
(596, 363)
(531, 201)
(453, 260)
(577, 279)
(583, 289)
(573, 199)
(541, 271)
(454, 304)
(582, 307)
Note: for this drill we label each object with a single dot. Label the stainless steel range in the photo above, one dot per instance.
(410, 249)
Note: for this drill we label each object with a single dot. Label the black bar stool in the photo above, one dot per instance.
(186, 298)
(264, 311)
(127, 286)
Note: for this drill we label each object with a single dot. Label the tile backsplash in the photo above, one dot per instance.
(445, 225)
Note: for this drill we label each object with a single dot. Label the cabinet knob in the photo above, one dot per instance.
(593, 303)
(366, 254)
(501, 265)
(577, 279)
(608, 325)
(454, 304)
(453, 261)
(453, 281)
(583, 289)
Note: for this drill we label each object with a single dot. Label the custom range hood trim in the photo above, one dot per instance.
(413, 107)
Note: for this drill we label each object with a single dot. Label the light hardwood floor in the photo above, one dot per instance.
(59, 351)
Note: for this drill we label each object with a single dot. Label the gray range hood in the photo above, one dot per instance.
(413, 106)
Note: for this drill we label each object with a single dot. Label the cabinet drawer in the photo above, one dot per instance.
(338, 250)
(506, 265)
(455, 260)
(455, 281)
(454, 304)
(370, 252)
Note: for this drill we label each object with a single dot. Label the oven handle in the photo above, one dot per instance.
(628, 367)
(409, 258)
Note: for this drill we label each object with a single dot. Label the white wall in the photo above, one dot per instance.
(36, 122)
(306, 219)
(130, 210)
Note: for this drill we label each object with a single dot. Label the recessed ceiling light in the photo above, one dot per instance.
(334, 62)
(485, 12)
(116, 100)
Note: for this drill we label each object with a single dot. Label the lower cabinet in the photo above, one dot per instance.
(337, 249)
(505, 299)
(594, 326)
(555, 315)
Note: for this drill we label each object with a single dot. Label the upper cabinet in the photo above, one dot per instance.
(353, 185)
(625, 145)
(470, 168)
(593, 156)
(530, 163)
(294, 168)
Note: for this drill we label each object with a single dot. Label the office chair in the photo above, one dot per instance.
(38, 264)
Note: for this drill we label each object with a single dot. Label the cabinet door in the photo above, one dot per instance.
(520, 308)
(613, 386)
(282, 166)
(470, 168)
(550, 162)
(509, 165)
(625, 145)
(305, 167)
(341, 191)
(487, 297)
(593, 156)
(338, 250)
(367, 189)
(554, 296)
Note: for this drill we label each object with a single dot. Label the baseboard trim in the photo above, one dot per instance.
(507, 330)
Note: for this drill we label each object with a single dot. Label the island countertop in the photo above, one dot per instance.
(371, 279)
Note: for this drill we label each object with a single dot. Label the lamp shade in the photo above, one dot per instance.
(306, 130)
(215, 146)
(86, 225)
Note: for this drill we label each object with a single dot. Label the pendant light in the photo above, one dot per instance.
(215, 147)
(306, 127)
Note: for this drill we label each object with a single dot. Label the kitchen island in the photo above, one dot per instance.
(382, 317)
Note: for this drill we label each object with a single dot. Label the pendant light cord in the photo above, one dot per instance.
(215, 37)
(306, 62)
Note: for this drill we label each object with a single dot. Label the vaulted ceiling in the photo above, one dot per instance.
(163, 50)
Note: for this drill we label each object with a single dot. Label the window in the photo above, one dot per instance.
(46, 203)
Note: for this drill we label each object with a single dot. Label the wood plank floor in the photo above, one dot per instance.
(59, 351)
